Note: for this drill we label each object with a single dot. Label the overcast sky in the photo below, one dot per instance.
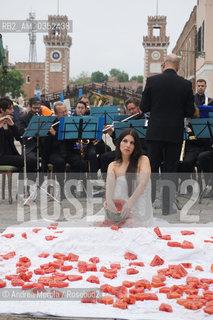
(106, 33)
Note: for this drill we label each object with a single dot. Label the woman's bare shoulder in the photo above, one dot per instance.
(113, 165)
(143, 163)
(143, 159)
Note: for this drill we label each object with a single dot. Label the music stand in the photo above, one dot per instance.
(80, 127)
(120, 117)
(204, 111)
(138, 125)
(107, 112)
(203, 129)
(38, 127)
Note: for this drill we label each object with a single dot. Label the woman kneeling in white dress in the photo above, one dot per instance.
(128, 178)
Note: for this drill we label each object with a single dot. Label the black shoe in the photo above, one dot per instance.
(172, 211)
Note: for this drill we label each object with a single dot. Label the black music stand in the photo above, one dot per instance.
(203, 128)
(38, 127)
(80, 128)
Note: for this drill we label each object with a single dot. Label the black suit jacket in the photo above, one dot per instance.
(7, 140)
(56, 146)
(169, 98)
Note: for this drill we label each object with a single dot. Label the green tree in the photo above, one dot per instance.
(13, 83)
(138, 78)
(122, 77)
(83, 78)
(99, 77)
(114, 72)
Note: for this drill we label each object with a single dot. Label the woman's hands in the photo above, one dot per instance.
(111, 205)
(127, 208)
(52, 131)
(7, 120)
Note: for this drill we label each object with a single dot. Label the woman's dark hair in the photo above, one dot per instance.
(82, 102)
(133, 164)
(5, 104)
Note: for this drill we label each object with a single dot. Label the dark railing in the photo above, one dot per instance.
(73, 92)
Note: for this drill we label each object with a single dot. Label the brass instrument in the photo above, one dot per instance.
(82, 143)
(94, 142)
(100, 99)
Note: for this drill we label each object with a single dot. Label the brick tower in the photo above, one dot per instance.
(155, 45)
(58, 44)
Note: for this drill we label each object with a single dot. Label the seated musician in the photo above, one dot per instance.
(196, 149)
(85, 99)
(201, 98)
(64, 151)
(8, 132)
(131, 108)
(89, 152)
(193, 148)
(35, 108)
(100, 146)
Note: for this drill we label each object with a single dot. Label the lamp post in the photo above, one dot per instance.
(4, 65)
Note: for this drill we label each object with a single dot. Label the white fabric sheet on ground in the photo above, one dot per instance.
(110, 246)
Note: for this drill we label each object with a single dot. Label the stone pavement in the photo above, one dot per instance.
(43, 207)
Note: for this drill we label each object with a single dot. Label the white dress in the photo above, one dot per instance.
(142, 213)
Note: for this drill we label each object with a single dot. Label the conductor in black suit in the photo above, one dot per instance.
(169, 98)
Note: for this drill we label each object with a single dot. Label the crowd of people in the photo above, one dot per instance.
(166, 101)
